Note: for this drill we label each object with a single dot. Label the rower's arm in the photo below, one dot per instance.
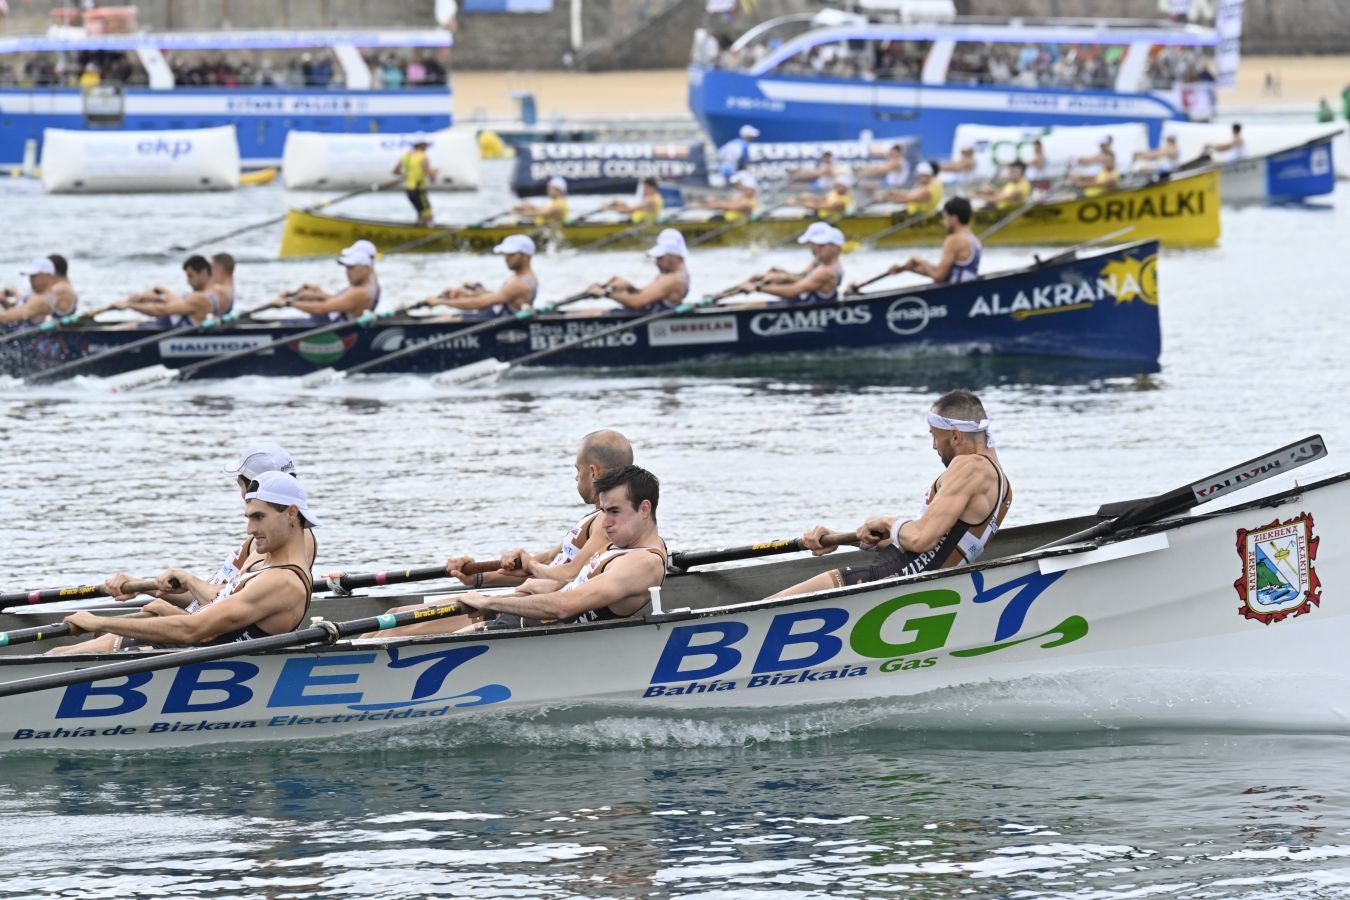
(596, 542)
(967, 479)
(821, 279)
(35, 308)
(195, 305)
(512, 293)
(625, 580)
(943, 267)
(352, 302)
(662, 288)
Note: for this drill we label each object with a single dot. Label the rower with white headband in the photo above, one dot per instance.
(962, 509)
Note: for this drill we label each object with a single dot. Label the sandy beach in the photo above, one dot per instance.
(661, 92)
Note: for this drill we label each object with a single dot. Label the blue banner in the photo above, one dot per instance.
(606, 168)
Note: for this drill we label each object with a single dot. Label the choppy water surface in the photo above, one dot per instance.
(814, 803)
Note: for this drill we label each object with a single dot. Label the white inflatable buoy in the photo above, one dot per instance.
(325, 161)
(133, 162)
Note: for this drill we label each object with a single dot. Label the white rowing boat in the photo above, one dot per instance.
(1228, 618)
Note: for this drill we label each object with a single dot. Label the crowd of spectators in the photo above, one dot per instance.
(315, 69)
(1023, 65)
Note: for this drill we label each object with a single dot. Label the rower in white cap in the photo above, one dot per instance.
(740, 205)
(666, 291)
(361, 295)
(961, 512)
(552, 212)
(516, 293)
(818, 284)
(191, 596)
(838, 202)
(924, 197)
(42, 300)
(734, 155)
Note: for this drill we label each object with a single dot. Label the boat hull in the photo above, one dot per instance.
(1181, 212)
(1218, 620)
(1283, 177)
(1100, 306)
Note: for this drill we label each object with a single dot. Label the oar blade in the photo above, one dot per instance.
(480, 372)
(138, 378)
(322, 377)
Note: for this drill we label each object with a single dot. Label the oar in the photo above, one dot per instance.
(56, 324)
(601, 243)
(330, 375)
(907, 222)
(160, 374)
(1068, 252)
(319, 632)
(1133, 513)
(1006, 220)
(690, 558)
(179, 248)
(492, 367)
(83, 592)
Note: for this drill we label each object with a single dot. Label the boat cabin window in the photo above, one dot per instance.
(1036, 65)
(866, 60)
(87, 68)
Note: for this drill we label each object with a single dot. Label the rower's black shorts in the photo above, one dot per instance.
(890, 561)
(418, 198)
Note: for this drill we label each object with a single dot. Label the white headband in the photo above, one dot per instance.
(965, 425)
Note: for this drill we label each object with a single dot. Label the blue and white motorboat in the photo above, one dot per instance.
(262, 115)
(842, 75)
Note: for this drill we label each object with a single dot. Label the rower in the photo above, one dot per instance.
(1160, 161)
(740, 205)
(614, 583)
(893, 172)
(1038, 167)
(554, 212)
(961, 512)
(1015, 191)
(417, 174)
(516, 293)
(1105, 148)
(961, 249)
(40, 302)
(666, 291)
(924, 197)
(67, 301)
(838, 202)
(734, 155)
(600, 452)
(271, 598)
(361, 295)
(1235, 146)
(820, 283)
(647, 209)
(254, 461)
(1106, 179)
(222, 276)
(960, 168)
(202, 301)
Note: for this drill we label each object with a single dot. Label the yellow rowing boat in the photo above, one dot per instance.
(1182, 212)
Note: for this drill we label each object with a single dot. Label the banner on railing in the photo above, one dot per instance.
(606, 168)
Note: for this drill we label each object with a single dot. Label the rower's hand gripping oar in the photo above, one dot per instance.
(83, 592)
(321, 632)
(1133, 513)
(492, 367)
(330, 375)
(55, 324)
(689, 558)
(374, 188)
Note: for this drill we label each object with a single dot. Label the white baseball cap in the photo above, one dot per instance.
(745, 179)
(843, 176)
(515, 243)
(669, 243)
(278, 487)
(260, 458)
(39, 265)
(822, 233)
(559, 182)
(362, 253)
(749, 132)
(924, 168)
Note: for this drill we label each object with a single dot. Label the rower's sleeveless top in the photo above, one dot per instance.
(970, 269)
(936, 194)
(497, 310)
(343, 317)
(816, 296)
(573, 541)
(597, 565)
(253, 632)
(221, 303)
(664, 305)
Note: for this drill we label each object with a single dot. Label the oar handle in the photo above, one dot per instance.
(83, 592)
(691, 558)
(403, 576)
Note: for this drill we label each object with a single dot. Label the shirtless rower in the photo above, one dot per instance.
(40, 302)
(743, 203)
(820, 283)
(222, 275)
(666, 291)
(600, 452)
(554, 210)
(516, 293)
(960, 259)
(1160, 161)
(67, 301)
(962, 510)
(361, 294)
(924, 197)
(254, 461)
(202, 300)
(273, 598)
(1235, 146)
(647, 209)
(614, 583)
(961, 167)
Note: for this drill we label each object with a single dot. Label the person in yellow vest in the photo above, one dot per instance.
(924, 197)
(553, 212)
(417, 175)
(1013, 192)
(838, 202)
(90, 78)
(1107, 178)
(744, 203)
(647, 209)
